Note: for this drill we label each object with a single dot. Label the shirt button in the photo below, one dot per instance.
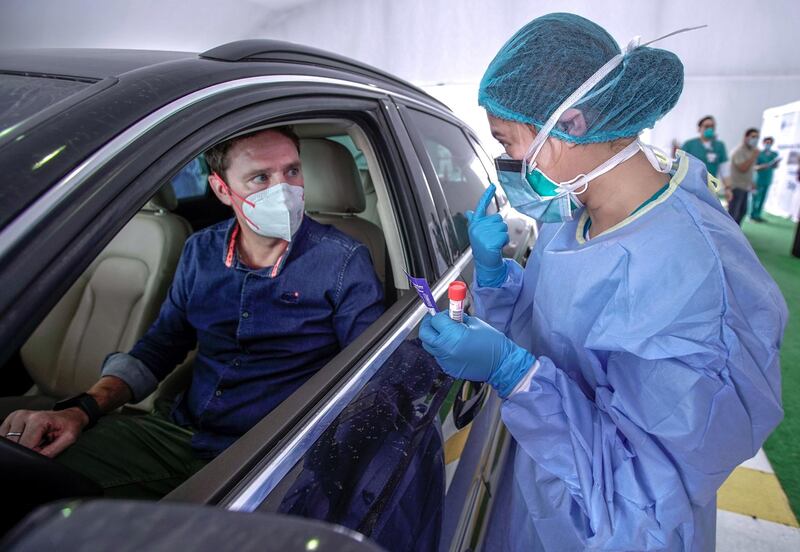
(218, 392)
(245, 314)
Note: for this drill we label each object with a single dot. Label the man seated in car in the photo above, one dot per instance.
(268, 297)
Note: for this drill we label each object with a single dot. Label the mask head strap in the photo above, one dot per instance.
(237, 208)
(580, 183)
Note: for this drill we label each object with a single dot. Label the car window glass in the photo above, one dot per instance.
(460, 172)
(192, 180)
(22, 96)
(488, 165)
(358, 155)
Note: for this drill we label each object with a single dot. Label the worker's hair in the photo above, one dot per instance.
(704, 119)
(770, 138)
(216, 157)
(750, 131)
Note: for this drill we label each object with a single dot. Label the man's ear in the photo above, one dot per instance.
(219, 188)
(572, 122)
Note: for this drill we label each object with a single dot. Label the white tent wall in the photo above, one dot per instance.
(746, 61)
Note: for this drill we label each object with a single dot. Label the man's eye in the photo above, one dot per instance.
(293, 172)
(260, 178)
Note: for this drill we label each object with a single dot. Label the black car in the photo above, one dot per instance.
(101, 155)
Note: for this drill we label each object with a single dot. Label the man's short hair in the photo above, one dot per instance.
(770, 138)
(217, 156)
(750, 131)
(704, 119)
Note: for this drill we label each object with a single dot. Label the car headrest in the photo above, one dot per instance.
(163, 200)
(332, 183)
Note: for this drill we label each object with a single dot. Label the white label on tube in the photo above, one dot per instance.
(456, 310)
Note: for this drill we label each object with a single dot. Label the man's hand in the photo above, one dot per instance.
(728, 194)
(44, 431)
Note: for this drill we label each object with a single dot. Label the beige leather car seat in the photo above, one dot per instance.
(370, 211)
(334, 194)
(107, 309)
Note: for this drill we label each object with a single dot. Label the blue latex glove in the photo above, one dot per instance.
(475, 351)
(487, 236)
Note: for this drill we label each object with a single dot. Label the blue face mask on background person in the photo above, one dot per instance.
(708, 133)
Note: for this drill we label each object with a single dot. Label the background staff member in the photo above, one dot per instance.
(706, 147)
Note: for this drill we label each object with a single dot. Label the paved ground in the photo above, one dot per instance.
(753, 512)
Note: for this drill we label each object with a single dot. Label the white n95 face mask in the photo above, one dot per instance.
(275, 212)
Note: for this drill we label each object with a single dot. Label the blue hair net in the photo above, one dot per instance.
(553, 55)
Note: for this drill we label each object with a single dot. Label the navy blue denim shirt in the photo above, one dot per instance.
(260, 333)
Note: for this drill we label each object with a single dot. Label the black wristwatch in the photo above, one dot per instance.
(85, 402)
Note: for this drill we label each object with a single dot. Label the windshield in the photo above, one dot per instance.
(24, 95)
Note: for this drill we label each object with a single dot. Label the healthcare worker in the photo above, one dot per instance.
(765, 168)
(637, 352)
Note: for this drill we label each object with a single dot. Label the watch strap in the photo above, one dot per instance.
(85, 402)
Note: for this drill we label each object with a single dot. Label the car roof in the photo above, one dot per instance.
(93, 64)
(90, 64)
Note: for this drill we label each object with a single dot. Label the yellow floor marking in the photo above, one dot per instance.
(758, 494)
(455, 445)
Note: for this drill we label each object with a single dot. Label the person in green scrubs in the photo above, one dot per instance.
(706, 147)
(765, 168)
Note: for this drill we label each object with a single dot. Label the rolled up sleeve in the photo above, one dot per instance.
(133, 372)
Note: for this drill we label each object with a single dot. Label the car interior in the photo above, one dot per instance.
(118, 296)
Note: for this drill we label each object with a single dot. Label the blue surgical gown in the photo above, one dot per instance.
(658, 373)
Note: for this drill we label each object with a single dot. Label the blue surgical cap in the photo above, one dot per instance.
(553, 55)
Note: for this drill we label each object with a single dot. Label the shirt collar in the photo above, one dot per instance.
(230, 256)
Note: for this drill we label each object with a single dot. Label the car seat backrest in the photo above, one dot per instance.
(111, 304)
(334, 194)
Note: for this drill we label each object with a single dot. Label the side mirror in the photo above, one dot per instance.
(468, 402)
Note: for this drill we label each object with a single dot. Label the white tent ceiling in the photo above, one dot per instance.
(747, 60)
(421, 40)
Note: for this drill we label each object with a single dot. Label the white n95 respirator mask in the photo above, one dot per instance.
(275, 212)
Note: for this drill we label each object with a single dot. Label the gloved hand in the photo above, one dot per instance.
(475, 351)
(487, 235)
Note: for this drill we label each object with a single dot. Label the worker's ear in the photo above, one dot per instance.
(572, 122)
(220, 188)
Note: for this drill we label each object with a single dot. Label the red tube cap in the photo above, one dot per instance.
(457, 291)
